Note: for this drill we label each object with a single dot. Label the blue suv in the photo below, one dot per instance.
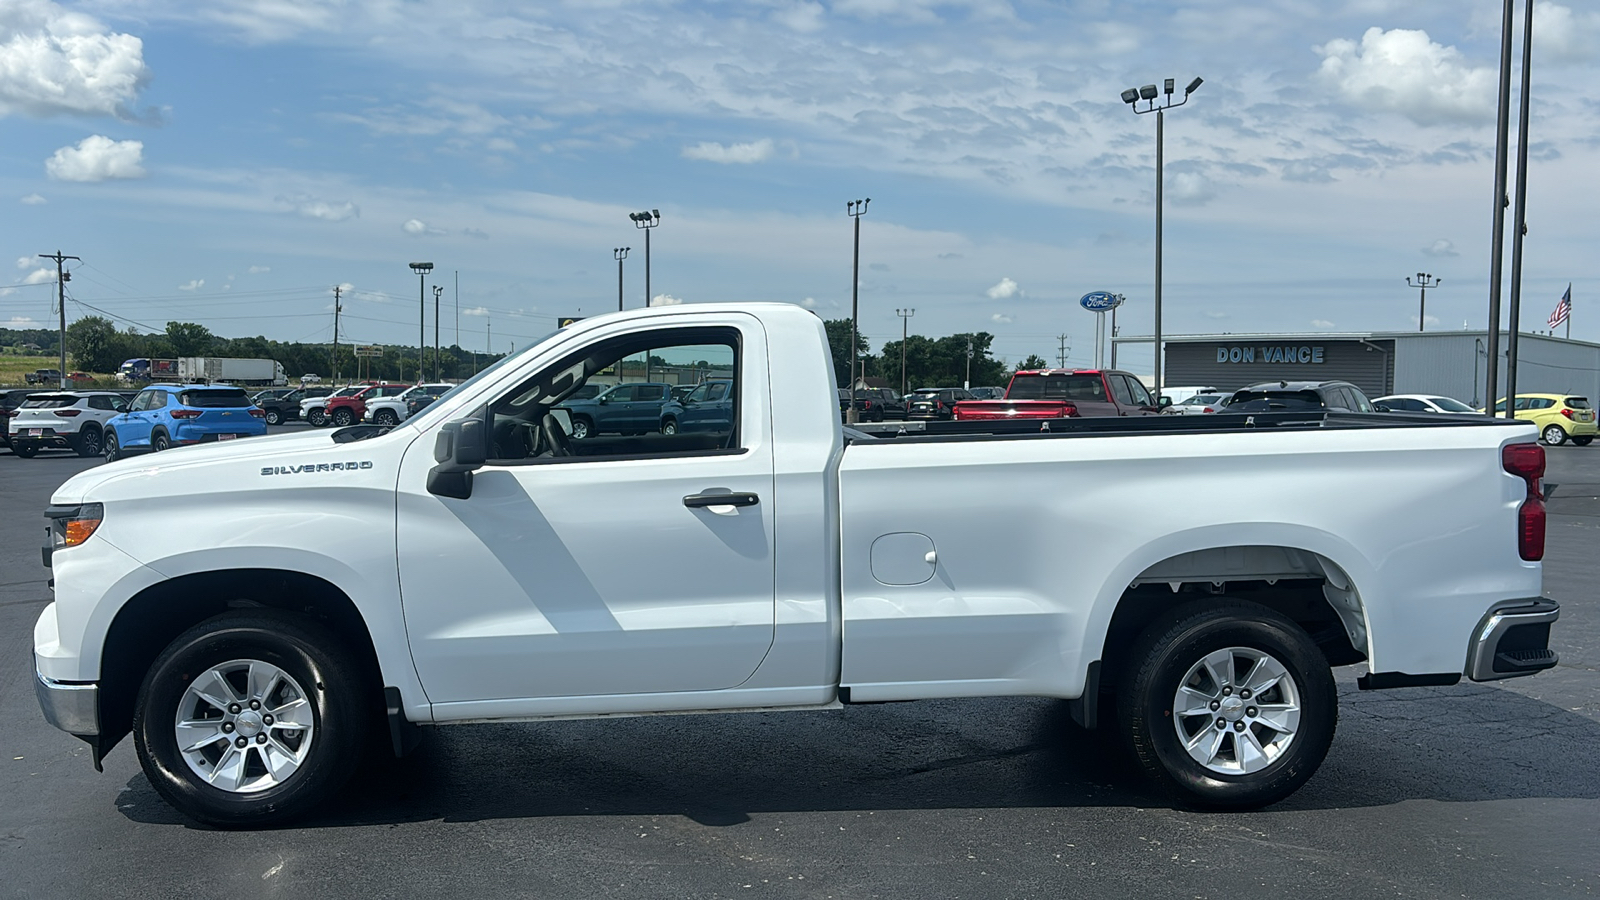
(709, 407)
(632, 408)
(168, 415)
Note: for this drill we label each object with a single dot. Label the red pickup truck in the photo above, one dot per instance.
(342, 411)
(1063, 394)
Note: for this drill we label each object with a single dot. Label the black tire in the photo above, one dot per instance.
(582, 427)
(301, 649)
(159, 441)
(88, 442)
(1583, 441)
(317, 417)
(112, 451)
(274, 417)
(669, 425)
(385, 417)
(1162, 658)
(1554, 435)
(25, 449)
(343, 417)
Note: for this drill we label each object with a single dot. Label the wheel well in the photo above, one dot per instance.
(1306, 587)
(154, 617)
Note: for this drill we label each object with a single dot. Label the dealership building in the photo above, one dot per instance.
(1451, 363)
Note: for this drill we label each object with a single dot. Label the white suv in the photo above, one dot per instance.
(72, 419)
(315, 409)
(392, 410)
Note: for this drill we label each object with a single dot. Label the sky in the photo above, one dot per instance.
(231, 162)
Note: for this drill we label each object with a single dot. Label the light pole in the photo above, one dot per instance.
(621, 253)
(646, 221)
(855, 209)
(966, 383)
(422, 269)
(1132, 96)
(437, 290)
(1423, 282)
(1521, 225)
(905, 318)
(1477, 350)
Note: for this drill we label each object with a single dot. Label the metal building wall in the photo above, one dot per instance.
(1443, 363)
(1368, 365)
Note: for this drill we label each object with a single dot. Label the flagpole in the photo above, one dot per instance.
(1569, 310)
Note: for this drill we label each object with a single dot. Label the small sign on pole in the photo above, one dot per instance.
(371, 351)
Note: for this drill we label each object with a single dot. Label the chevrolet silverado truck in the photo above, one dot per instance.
(229, 608)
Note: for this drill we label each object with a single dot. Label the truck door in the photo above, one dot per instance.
(615, 571)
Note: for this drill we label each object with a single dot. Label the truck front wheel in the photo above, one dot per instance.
(249, 719)
(1228, 705)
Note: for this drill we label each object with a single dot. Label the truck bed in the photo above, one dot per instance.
(1217, 423)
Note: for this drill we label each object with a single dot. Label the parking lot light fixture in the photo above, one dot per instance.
(1148, 93)
(1423, 282)
(620, 254)
(422, 269)
(645, 221)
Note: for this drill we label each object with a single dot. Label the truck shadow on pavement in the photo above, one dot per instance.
(1459, 744)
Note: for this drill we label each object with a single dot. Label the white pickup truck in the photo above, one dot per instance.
(251, 612)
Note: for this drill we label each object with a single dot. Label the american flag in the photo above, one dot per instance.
(1563, 309)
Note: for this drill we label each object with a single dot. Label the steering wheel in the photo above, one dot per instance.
(555, 437)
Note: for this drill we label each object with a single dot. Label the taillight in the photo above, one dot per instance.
(67, 413)
(186, 414)
(1069, 410)
(258, 413)
(1566, 412)
(1526, 461)
(1208, 409)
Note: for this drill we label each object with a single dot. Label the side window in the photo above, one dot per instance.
(1543, 403)
(158, 399)
(1358, 400)
(119, 404)
(1518, 403)
(1119, 390)
(99, 403)
(140, 402)
(1140, 395)
(527, 426)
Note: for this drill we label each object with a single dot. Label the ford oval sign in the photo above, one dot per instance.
(1100, 301)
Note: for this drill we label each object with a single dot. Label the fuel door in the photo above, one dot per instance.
(903, 558)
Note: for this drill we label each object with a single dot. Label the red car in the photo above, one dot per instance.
(342, 411)
(1063, 394)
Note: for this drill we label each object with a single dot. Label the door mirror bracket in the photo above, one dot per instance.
(459, 450)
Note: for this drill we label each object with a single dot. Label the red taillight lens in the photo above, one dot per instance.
(1566, 412)
(67, 413)
(1526, 461)
(186, 414)
(1209, 409)
(258, 412)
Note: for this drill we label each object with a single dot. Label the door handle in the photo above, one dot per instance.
(701, 501)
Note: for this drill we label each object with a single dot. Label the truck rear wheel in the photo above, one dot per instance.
(1228, 705)
(249, 719)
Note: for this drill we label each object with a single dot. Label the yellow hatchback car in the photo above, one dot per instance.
(1560, 418)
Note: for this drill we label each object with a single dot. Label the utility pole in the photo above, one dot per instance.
(488, 338)
(1423, 282)
(855, 209)
(437, 290)
(1061, 357)
(335, 366)
(905, 316)
(621, 253)
(966, 383)
(458, 308)
(62, 277)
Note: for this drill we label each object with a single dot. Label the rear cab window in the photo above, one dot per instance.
(1057, 387)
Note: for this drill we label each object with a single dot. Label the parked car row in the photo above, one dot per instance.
(651, 408)
(95, 423)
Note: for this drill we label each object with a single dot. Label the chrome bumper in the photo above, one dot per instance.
(1513, 640)
(73, 708)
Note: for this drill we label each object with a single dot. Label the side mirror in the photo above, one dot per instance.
(1381, 407)
(460, 449)
(1163, 401)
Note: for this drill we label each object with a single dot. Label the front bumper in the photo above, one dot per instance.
(73, 708)
(1512, 640)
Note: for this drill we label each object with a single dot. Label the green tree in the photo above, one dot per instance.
(839, 343)
(95, 345)
(189, 339)
(1034, 361)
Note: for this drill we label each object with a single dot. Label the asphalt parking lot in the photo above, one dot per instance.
(1466, 791)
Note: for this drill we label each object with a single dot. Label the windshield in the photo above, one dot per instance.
(1056, 387)
(214, 399)
(435, 411)
(1449, 405)
(51, 402)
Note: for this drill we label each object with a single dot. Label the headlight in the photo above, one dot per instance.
(72, 525)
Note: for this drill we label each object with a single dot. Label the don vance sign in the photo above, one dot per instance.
(1270, 354)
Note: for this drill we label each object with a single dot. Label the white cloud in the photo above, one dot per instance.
(809, 303)
(316, 208)
(665, 300)
(475, 311)
(1001, 319)
(22, 322)
(1560, 35)
(55, 62)
(805, 17)
(33, 200)
(1004, 290)
(1189, 189)
(921, 11)
(259, 270)
(25, 261)
(733, 153)
(1321, 323)
(97, 158)
(416, 227)
(1402, 71)
(1441, 247)
(347, 288)
(194, 285)
(40, 276)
